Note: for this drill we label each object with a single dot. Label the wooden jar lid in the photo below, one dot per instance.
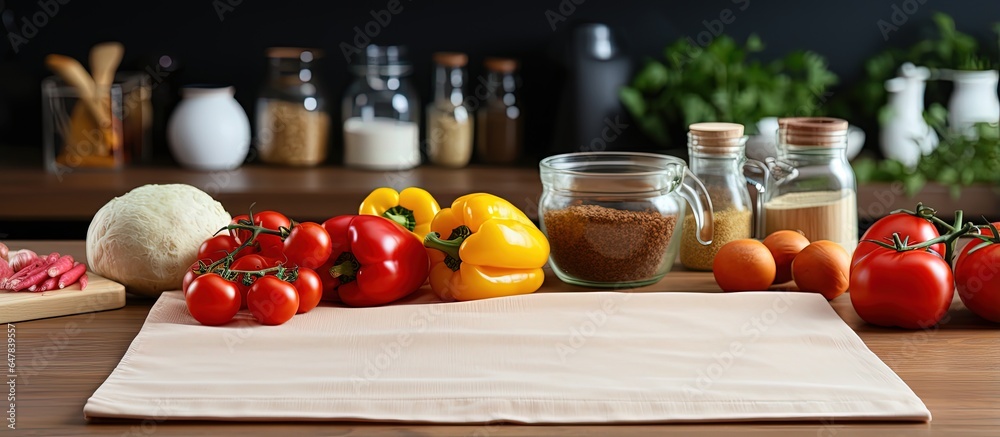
(451, 59)
(715, 136)
(813, 131)
(501, 65)
(292, 52)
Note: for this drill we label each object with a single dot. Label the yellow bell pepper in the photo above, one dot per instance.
(413, 208)
(492, 250)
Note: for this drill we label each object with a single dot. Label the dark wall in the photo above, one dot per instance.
(218, 42)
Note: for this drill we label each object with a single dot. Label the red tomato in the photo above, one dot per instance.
(216, 248)
(240, 235)
(966, 244)
(310, 289)
(266, 244)
(270, 245)
(911, 289)
(189, 276)
(978, 280)
(212, 300)
(308, 245)
(272, 301)
(917, 229)
(249, 262)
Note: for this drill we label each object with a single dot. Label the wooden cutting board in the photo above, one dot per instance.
(101, 294)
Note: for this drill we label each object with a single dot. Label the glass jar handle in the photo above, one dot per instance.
(694, 192)
(781, 171)
(761, 187)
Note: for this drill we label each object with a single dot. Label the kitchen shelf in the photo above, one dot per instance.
(318, 193)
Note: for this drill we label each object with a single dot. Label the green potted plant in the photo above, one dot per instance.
(721, 82)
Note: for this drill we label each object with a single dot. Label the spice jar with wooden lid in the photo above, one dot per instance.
(812, 187)
(292, 122)
(717, 155)
(499, 122)
(449, 122)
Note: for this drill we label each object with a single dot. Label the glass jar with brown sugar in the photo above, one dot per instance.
(717, 157)
(499, 122)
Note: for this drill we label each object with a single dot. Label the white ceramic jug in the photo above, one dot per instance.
(209, 130)
(973, 100)
(906, 136)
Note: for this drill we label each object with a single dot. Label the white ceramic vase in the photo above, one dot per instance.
(905, 135)
(973, 100)
(209, 130)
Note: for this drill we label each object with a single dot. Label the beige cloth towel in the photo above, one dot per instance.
(598, 357)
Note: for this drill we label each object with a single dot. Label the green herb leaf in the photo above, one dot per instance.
(632, 100)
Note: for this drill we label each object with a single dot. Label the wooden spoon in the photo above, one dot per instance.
(91, 131)
(75, 75)
(104, 60)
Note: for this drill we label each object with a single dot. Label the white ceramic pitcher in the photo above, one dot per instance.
(905, 137)
(973, 100)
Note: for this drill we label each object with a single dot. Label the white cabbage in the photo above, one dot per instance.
(148, 238)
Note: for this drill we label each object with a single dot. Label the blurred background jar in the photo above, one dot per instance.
(449, 124)
(292, 122)
(499, 123)
(381, 112)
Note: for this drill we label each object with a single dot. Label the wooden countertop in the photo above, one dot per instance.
(954, 368)
(304, 194)
(321, 192)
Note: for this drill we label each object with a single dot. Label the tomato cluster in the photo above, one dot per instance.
(266, 264)
(901, 274)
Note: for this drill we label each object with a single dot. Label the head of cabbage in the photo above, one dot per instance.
(148, 238)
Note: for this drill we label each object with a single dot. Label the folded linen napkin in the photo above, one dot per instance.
(594, 357)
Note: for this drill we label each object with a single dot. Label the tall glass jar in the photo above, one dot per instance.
(812, 187)
(381, 112)
(449, 124)
(499, 122)
(717, 155)
(292, 122)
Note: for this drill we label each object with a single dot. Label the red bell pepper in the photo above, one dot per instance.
(374, 261)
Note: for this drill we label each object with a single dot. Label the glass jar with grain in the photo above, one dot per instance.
(812, 187)
(449, 122)
(717, 156)
(499, 121)
(613, 219)
(292, 122)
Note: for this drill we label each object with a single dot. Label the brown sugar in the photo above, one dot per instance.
(600, 244)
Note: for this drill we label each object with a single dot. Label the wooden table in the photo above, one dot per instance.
(954, 368)
(318, 193)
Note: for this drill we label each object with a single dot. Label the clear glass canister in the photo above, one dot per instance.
(717, 155)
(613, 219)
(292, 121)
(449, 123)
(812, 187)
(381, 112)
(499, 121)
